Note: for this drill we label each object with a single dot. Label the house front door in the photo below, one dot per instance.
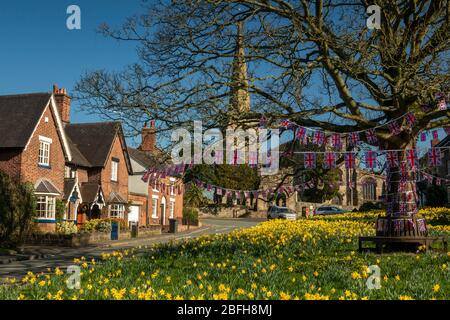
(163, 211)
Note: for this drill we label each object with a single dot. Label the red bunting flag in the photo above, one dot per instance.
(392, 159)
(349, 160)
(435, 134)
(434, 157)
(411, 119)
(330, 160)
(310, 160)
(411, 157)
(354, 138)
(319, 137)
(336, 141)
(301, 133)
(371, 136)
(423, 136)
(370, 159)
(442, 104)
(394, 128)
(447, 130)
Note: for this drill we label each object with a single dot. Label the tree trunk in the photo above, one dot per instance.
(401, 198)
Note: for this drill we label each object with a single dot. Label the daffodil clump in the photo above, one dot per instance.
(313, 259)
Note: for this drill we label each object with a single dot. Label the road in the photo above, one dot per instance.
(63, 257)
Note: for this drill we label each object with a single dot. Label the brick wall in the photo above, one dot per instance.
(178, 210)
(143, 203)
(121, 186)
(10, 162)
(30, 171)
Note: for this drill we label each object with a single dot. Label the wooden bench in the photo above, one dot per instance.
(380, 241)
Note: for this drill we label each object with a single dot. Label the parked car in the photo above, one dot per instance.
(326, 210)
(276, 212)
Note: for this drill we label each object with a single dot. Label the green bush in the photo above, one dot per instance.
(60, 210)
(190, 216)
(17, 210)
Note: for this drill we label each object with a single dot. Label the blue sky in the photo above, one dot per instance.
(37, 49)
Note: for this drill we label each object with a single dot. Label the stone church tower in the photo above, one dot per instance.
(239, 93)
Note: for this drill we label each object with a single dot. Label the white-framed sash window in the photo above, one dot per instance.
(44, 151)
(172, 209)
(46, 207)
(155, 208)
(117, 211)
(114, 170)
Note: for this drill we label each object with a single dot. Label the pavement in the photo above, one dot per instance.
(42, 258)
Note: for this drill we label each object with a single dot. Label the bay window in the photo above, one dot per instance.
(46, 207)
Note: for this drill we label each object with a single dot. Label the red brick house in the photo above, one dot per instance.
(86, 165)
(34, 148)
(153, 203)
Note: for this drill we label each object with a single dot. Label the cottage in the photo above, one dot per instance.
(158, 202)
(86, 165)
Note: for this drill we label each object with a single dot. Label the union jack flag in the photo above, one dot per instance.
(371, 136)
(447, 130)
(434, 157)
(423, 136)
(442, 104)
(403, 207)
(238, 195)
(410, 118)
(255, 194)
(403, 170)
(310, 160)
(286, 124)
(392, 159)
(411, 157)
(262, 122)
(394, 128)
(354, 138)
(319, 137)
(349, 160)
(219, 191)
(370, 159)
(330, 160)
(301, 133)
(435, 134)
(336, 141)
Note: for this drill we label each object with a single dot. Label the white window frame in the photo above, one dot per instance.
(117, 211)
(114, 170)
(154, 189)
(44, 151)
(172, 209)
(67, 172)
(155, 207)
(48, 210)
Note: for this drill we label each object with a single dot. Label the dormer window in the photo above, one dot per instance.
(44, 151)
(114, 169)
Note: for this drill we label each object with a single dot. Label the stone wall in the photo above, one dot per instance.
(87, 238)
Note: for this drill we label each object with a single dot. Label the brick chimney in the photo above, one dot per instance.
(148, 143)
(63, 102)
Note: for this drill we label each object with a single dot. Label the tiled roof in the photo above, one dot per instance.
(93, 141)
(69, 184)
(145, 159)
(46, 187)
(116, 198)
(89, 191)
(19, 115)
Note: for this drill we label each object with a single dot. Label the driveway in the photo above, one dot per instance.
(63, 257)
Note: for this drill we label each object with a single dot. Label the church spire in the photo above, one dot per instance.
(239, 94)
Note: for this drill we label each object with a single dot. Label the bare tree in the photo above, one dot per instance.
(314, 62)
